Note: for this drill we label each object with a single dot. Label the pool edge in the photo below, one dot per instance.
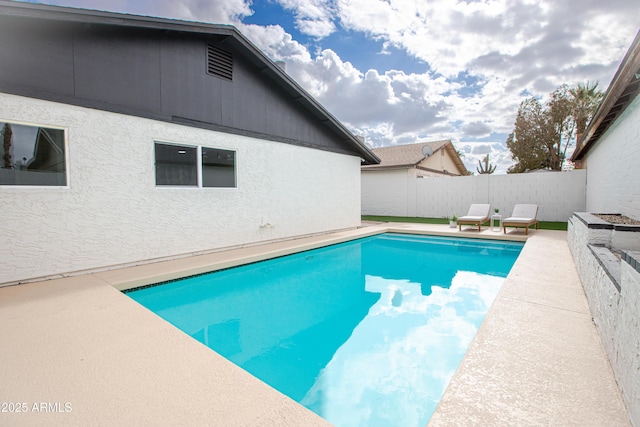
(147, 274)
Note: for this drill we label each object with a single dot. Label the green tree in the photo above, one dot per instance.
(587, 98)
(560, 117)
(486, 168)
(543, 133)
(526, 142)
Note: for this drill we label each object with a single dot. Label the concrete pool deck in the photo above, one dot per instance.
(76, 351)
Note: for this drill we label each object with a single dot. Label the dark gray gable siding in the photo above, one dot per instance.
(159, 74)
(29, 55)
(119, 68)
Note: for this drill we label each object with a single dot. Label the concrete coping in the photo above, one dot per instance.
(612, 264)
(609, 262)
(609, 258)
(144, 275)
(593, 222)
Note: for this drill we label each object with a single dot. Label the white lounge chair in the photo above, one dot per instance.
(524, 215)
(478, 214)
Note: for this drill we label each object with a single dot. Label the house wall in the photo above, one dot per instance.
(112, 213)
(613, 182)
(557, 194)
(442, 161)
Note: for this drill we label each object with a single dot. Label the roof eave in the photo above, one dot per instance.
(462, 169)
(388, 167)
(622, 90)
(235, 37)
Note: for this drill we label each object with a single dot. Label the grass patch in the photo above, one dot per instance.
(553, 225)
(544, 225)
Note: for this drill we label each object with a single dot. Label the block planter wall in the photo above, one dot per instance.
(610, 277)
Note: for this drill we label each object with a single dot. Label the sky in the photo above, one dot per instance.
(410, 71)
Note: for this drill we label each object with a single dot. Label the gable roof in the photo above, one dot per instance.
(410, 155)
(230, 36)
(624, 88)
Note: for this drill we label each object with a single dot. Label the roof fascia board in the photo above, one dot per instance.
(396, 167)
(462, 170)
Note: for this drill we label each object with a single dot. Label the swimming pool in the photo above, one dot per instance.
(367, 332)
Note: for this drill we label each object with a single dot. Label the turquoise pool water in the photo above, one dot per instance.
(367, 332)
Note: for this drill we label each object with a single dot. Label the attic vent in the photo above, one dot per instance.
(219, 63)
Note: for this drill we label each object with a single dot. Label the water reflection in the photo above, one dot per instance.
(397, 363)
(364, 333)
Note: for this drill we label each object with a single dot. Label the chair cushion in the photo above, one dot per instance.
(525, 211)
(479, 210)
(472, 218)
(523, 220)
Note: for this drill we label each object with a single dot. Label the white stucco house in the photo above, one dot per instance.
(126, 139)
(610, 148)
(388, 188)
(606, 250)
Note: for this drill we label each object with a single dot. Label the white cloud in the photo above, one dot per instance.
(473, 152)
(445, 34)
(403, 328)
(485, 57)
(313, 17)
(510, 46)
(476, 129)
(277, 44)
(218, 11)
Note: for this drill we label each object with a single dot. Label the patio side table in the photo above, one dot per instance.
(494, 218)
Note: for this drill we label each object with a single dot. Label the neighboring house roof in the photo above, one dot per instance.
(411, 156)
(48, 153)
(624, 88)
(225, 34)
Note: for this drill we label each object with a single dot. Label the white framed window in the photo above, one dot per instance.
(176, 165)
(32, 155)
(194, 166)
(218, 167)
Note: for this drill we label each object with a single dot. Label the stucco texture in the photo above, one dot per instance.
(613, 182)
(112, 213)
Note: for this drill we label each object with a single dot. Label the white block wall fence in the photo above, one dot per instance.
(557, 194)
(111, 212)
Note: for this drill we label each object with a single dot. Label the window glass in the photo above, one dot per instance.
(32, 155)
(218, 168)
(176, 165)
